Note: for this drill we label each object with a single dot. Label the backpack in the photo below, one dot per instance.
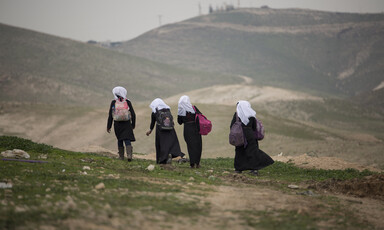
(259, 132)
(121, 111)
(204, 124)
(164, 119)
(236, 135)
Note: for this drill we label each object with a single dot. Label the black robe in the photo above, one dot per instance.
(123, 129)
(250, 157)
(166, 142)
(192, 136)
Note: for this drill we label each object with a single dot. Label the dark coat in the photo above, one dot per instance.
(250, 157)
(123, 129)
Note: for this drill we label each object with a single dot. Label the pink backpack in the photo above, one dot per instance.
(205, 124)
(121, 111)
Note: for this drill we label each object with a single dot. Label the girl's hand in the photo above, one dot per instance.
(148, 132)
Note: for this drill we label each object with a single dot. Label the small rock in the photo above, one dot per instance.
(63, 170)
(211, 177)
(150, 167)
(100, 186)
(292, 186)
(86, 168)
(5, 185)
(191, 179)
(280, 154)
(20, 209)
(43, 156)
(16, 153)
(202, 183)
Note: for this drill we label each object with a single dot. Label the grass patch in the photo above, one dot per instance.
(290, 173)
(62, 189)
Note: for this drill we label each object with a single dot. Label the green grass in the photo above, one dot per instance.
(59, 190)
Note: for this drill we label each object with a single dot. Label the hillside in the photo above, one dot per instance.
(40, 68)
(318, 52)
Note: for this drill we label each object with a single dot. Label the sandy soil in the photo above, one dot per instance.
(231, 94)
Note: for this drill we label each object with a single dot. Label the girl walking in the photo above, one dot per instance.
(166, 141)
(187, 116)
(249, 157)
(122, 115)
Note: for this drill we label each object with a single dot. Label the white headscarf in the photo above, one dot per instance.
(244, 111)
(185, 106)
(119, 91)
(159, 104)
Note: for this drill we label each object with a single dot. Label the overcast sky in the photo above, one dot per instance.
(121, 20)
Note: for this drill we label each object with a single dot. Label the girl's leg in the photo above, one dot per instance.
(120, 146)
(129, 149)
(127, 142)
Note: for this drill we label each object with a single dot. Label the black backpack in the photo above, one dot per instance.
(164, 119)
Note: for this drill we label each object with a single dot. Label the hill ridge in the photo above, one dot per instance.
(322, 53)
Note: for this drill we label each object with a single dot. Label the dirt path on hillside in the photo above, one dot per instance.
(231, 94)
(242, 200)
(302, 161)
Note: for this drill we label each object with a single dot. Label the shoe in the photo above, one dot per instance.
(183, 160)
(254, 172)
(169, 160)
(192, 166)
(121, 153)
(129, 152)
(239, 172)
(197, 166)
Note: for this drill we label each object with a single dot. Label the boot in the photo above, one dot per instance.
(129, 152)
(121, 153)
(169, 160)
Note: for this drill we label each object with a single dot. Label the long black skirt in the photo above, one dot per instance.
(166, 143)
(251, 157)
(194, 142)
(123, 130)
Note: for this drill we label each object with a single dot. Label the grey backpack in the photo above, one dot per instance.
(236, 135)
(164, 119)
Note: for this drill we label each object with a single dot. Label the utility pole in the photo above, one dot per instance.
(160, 19)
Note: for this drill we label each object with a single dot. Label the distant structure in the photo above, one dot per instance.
(107, 44)
(223, 7)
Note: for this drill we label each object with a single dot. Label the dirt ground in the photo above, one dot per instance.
(243, 196)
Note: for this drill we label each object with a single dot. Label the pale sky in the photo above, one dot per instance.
(121, 20)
